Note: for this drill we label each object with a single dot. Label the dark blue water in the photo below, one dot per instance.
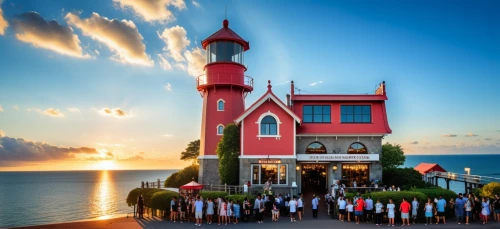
(483, 165)
(36, 198)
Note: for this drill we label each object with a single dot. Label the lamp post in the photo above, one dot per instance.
(467, 170)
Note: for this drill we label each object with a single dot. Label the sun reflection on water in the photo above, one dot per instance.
(102, 196)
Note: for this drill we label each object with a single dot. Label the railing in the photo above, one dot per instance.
(464, 177)
(224, 78)
(230, 189)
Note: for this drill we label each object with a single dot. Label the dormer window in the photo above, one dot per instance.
(220, 105)
(220, 129)
(269, 125)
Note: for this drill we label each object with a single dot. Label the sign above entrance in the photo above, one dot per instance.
(337, 157)
(269, 161)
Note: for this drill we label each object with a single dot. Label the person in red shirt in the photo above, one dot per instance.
(405, 208)
(358, 210)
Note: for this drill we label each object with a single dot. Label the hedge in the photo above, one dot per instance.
(161, 200)
(213, 194)
(240, 198)
(134, 194)
(436, 192)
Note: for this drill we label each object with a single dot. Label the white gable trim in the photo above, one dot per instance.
(278, 124)
(269, 96)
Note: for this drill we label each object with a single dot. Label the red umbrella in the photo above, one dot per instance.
(193, 185)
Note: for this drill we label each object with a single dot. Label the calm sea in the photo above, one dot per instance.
(483, 165)
(35, 198)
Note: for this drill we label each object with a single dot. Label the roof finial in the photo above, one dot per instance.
(225, 23)
(269, 85)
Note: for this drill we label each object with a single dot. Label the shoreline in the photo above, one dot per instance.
(86, 223)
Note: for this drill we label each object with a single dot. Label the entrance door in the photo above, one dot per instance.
(314, 178)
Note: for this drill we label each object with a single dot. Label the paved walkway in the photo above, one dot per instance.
(156, 223)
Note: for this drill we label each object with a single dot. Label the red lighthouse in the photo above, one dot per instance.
(223, 87)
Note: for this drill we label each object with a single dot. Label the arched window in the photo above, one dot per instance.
(268, 126)
(220, 105)
(316, 148)
(220, 129)
(357, 148)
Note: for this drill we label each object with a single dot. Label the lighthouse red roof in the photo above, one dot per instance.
(225, 34)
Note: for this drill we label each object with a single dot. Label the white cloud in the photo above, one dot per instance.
(116, 112)
(16, 107)
(414, 142)
(168, 135)
(52, 112)
(97, 52)
(121, 37)
(488, 139)
(196, 4)
(196, 60)
(152, 10)
(176, 41)
(33, 29)
(3, 23)
(2, 133)
(164, 63)
(180, 66)
(168, 87)
(471, 135)
(316, 83)
(449, 135)
(1, 108)
(72, 109)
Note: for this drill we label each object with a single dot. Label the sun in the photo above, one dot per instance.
(106, 165)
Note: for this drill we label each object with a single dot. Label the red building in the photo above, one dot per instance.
(310, 140)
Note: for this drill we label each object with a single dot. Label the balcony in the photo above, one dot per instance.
(209, 80)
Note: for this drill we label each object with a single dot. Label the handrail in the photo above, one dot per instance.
(224, 78)
(464, 177)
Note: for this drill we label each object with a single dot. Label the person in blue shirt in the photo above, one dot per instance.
(315, 204)
(441, 205)
(459, 208)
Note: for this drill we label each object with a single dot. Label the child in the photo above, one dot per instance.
(229, 212)
(222, 212)
(276, 211)
(350, 210)
(429, 209)
(391, 208)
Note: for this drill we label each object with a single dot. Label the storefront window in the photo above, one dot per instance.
(263, 172)
(355, 172)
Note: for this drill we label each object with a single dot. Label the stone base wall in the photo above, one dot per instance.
(209, 172)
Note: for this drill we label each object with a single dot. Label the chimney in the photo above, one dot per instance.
(292, 90)
(288, 100)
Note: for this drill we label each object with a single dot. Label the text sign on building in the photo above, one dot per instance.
(269, 161)
(337, 157)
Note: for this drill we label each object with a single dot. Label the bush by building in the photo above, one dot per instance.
(435, 192)
(182, 177)
(134, 194)
(405, 178)
(161, 200)
(240, 198)
(213, 194)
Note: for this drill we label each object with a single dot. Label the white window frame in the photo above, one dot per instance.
(218, 129)
(223, 104)
(260, 171)
(278, 123)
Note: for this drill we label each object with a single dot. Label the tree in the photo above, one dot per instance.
(228, 150)
(405, 178)
(182, 177)
(392, 156)
(192, 151)
(491, 189)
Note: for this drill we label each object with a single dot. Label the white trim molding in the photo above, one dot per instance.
(340, 135)
(220, 134)
(257, 104)
(204, 157)
(278, 123)
(223, 104)
(268, 156)
(242, 137)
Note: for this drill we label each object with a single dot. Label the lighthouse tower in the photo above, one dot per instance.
(223, 88)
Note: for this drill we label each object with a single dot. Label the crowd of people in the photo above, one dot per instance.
(464, 208)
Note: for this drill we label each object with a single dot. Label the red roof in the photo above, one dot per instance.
(225, 34)
(424, 168)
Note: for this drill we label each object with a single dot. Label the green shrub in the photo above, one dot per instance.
(490, 190)
(436, 192)
(182, 177)
(405, 178)
(213, 194)
(240, 198)
(146, 193)
(161, 200)
(477, 191)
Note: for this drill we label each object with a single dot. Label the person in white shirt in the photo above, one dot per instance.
(391, 212)
(293, 208)
(414, 209)
(379, 208)
(350, 210)
(342, 205)
(300, 207)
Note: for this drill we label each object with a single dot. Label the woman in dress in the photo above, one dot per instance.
(210, 210)
(391, 212)
(222, 211)
(485, 211)
(276, 211)
(429, 209)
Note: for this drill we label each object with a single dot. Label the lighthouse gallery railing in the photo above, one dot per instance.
(224, 78)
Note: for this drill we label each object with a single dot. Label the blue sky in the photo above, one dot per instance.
(440, 60)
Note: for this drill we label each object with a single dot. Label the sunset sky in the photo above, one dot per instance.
(110, 84)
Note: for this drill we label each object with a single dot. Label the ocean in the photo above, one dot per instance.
(482, 165)
(36, 198)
